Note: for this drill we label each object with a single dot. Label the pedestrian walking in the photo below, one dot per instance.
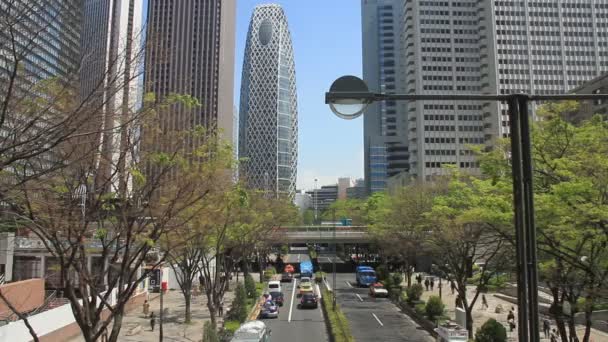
(146, 308)
(426, 283)
(432, 284)
(511, 320)
(553, 336)
(220, 308)
(452, 286)
(458, 302)
(484, 302)
(546, 327)
(152, 320)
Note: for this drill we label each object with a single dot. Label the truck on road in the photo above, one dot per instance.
(365, 276)
(306, 269)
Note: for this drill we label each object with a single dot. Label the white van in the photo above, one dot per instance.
(274, 286)
(252, 331)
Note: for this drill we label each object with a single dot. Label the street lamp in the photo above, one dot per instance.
(315, 200)
(349, 96)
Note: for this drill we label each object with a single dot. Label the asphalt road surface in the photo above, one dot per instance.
(374, 319)
(293, 258)
(295, 325)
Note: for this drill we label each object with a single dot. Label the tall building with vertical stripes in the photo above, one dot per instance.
(110, 76)
(268, 133)
(385, 126)
(190, 51)
(495, 47)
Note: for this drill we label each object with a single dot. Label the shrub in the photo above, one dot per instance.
(434, 307)
(340, 327)
(319, 276)
(209, 333)
(420, 309)
(250, 287)
(269, 272)
(414, 292)
(396, 278)
(382, 272)
(491, 331)
(231, 326)
(238, 312)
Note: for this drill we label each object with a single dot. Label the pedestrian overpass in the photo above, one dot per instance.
(322, 234)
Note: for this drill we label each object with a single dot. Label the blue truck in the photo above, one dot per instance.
(366, 276)
(306, 269)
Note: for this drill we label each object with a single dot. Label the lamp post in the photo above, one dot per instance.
(349, 96)
(315, 199)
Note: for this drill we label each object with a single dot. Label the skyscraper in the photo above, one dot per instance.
(268, 134)
(496, 47)
(385, 125)
(111, 72)
(191, 51)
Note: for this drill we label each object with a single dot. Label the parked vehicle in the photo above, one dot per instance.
(365, 276)
(309, 300)
(252, 331)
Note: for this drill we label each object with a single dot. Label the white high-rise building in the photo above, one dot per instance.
(495, 47)
(268, 132)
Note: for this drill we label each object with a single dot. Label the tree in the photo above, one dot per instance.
(346, 208)
(239, 304)
(460, 237)
(102, 240)
(491, 331)
(401, 224)
(570, 168)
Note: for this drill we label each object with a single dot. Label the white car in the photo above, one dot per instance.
(378, 290)
(304, 280)
(274, 286)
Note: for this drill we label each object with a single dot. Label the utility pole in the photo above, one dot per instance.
(315, 199)
(334, 258)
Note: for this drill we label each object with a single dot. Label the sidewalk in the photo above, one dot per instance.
(136, 327)
(480, 315)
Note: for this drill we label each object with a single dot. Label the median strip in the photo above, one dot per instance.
(337, 323)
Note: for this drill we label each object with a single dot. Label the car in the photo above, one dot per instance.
(289, 268)
(286, 277)
(309, 300)
(305, 280)
(269, 310)
(306, 288)
(252, 331)
(378, 290)
(277, 297)
(274, 285)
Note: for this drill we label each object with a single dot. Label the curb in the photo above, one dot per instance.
(422, 322)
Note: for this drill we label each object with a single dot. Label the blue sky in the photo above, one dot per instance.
(326, 36)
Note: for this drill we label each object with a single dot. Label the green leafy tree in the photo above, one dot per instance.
(571, 199)
(491, 331)
(250, 287)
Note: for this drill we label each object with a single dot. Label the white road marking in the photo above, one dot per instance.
(349, 285)
(377, 319)
(361, 299)
(299, 255)
(293, 293)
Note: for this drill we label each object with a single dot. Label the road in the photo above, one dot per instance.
(293, 324)
(374, 319)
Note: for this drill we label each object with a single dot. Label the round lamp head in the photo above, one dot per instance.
(348, 97)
